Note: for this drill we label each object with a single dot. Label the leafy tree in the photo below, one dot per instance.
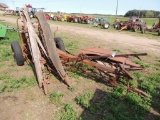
(149, 14)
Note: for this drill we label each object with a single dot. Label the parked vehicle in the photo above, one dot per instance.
(85, 19)
(155, 27)
(133, 24)
(60, 16)
(103, 22)
(72, 18)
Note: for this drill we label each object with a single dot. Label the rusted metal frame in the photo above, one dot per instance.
(20, 33)
(105, 70)
(37, 65)
(49, 40)
(99, 74)
(88, 73)
(140, 92)
(133, 55)
(113, 80)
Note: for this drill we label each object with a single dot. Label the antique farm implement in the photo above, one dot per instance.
(40, 49)
(155, 27)
(133, 24)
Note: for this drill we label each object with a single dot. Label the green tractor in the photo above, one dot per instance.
(3, 31)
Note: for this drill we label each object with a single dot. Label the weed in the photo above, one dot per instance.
(133, 83)
(138, 62)
(11, 84)
(5, 55)
(145, 65)
(28, 67)
(1, 65)
(108, 117)
(149, 84)
(4, 77)
(73, 74)
(116, 50)
(84, 99)
(122, 80)
(55, 98)
(69, 113)
(72, 89)
(72, 46)
(119, 92)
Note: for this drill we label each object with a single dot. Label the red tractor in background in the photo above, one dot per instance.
(72, 18)
(85, 19)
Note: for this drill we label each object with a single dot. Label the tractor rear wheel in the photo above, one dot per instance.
(68, 19)
(159, 32)
(142, 29)
(55, 18)
(105, 25)
(115, 24)
(60, 44)
(88, 21)
(17, 53)
(62, 19)
(134, 28)
(75, 20)
(118, 26)
(95, 24)
(79, 20)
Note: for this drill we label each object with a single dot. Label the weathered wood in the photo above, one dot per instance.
(35, 52)
(51, 46)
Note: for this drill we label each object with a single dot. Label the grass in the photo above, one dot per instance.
(69, 113)
(11, 84)
(55, 98)
(84, 99)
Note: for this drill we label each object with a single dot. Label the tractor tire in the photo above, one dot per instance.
(159, 32)
(118, 26)
(55, 18)
(95, 24)
(17, 53)
(75, 20)
(31, 16)
(115, 25)
(142, 29)
(68, 19)
(60, 44)
(61, 19)
(105, 25)
(134, 28)
(79, 20)
(88, 21)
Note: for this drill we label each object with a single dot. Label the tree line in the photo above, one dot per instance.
(142, 13)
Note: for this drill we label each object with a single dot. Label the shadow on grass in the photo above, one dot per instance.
(116, 106)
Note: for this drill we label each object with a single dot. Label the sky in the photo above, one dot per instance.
(87, 6)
